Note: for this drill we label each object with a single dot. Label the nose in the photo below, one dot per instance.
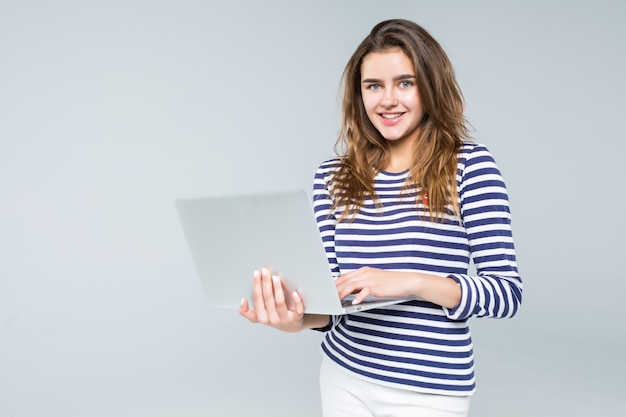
(389, 98)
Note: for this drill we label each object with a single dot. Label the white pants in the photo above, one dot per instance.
(345, 395)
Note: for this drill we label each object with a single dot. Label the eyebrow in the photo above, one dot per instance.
(397, 78)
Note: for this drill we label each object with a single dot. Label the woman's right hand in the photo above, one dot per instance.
(270, 306)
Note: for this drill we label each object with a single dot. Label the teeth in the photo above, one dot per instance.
(391, 115)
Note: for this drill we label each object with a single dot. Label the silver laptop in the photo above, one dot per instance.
(231, 236)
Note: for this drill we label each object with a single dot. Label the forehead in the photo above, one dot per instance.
(387, 63)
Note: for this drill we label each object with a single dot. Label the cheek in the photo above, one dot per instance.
(370, 103)
(412, 99)
(417, 108)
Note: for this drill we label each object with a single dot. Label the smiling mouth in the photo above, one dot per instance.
(390, 115)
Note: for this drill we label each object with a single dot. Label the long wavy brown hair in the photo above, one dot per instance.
(363, 150)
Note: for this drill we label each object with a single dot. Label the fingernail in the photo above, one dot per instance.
(243, 300)
(264, 271)
(257, 274)
(275, 279)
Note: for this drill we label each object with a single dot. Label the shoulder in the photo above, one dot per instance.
(477, 169)
(474, 154)
(330, 165)
(322, 182)
(473, 150)
(327, 168)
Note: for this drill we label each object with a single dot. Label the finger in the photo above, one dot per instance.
(299, 305)
(349, 282)
(267, 286)
(279, 295)
(259, 301)
(244, 307)
(361, 295)
(343, 278)
(244, 310)
(346, 288)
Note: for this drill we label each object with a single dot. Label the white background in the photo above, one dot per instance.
(111, 109)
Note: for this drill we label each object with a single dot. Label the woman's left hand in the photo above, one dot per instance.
(367, 281)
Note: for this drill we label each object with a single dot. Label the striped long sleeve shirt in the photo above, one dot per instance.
(419, 345)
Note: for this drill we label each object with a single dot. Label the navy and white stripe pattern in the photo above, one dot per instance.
(419, 345)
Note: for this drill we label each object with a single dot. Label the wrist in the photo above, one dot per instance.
(315, 321)
(414, 285)
(436, 289)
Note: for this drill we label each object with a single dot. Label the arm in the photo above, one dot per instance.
(367, 281)
(496, 290)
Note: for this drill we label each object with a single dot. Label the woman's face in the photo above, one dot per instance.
(390, 96)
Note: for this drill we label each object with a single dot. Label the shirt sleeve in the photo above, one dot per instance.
(496, 290)
(326, 221)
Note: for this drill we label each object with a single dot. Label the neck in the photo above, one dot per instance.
(400, 156)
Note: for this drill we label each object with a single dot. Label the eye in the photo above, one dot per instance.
(406, 84)
(373, 87)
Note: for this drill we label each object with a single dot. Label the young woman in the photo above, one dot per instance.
(402, 210)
